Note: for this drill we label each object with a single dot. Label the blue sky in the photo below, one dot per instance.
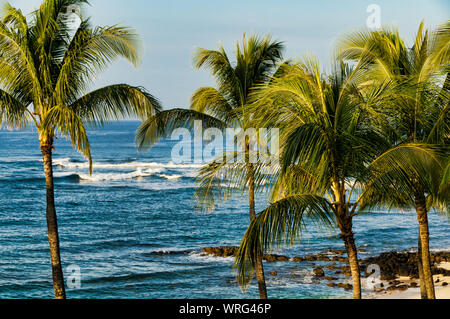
(171, 29)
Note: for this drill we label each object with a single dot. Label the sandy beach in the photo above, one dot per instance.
(442, 284)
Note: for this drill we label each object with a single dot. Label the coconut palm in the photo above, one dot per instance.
(47, 64)
(328, 141)
(420, 115)
(256, 59)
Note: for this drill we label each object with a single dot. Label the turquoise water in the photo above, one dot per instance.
(133, 231)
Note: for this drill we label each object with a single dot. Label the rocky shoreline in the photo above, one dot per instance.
(334, 267)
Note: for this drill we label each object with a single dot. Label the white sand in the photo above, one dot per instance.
(414, 293)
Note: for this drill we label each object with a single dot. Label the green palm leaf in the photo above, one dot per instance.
(281, 223)
(395, 173)
(163, 124)
(114, 102)
(66, 122)
(13, 114)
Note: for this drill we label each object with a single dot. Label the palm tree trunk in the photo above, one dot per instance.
(346, 227)
(345, 223)
(352, 253)
(424, 234)
(423, 290)
(52, 223)
(259, 268)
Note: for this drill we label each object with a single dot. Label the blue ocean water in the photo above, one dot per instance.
(133, 231)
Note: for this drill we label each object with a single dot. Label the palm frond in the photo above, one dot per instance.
(442, 201)
(395, 174)
(18, 68)
(114, 102)
(297, 179)
(440, 45)
(228, 176)
(13, 114)
(90, 52)
(209, 101)
(223, 71)
(163, 124)
(281, 223)
(66, 122)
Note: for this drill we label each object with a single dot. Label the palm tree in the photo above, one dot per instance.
(419, 115)
(217, 107)
(328, 142)
(46, 67)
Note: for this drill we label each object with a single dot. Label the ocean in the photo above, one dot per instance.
(132, 229)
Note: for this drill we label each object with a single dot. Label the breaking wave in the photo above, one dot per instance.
(134, 170)
(67, 163)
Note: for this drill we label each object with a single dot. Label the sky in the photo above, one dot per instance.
(172, 29)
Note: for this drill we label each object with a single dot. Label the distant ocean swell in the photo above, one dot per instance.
(67, 169)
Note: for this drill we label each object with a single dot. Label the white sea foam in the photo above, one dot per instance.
(68, 164)
(104, 177)
(171, 177)
(104, 172)
(197, 256)
(163, 186)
